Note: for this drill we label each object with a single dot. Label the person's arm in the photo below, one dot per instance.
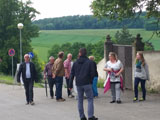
(107, 69)
(44, 72)
(66, 72)
(35, 73)
(92, 70)
(66, 69)
(96, 69)
(53, 70)
(72, 76)
(121, 69)
(19, 73)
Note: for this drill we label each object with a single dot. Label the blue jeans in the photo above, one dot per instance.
(94, 86)
(136, 83)
(87, 89)
(59, 83)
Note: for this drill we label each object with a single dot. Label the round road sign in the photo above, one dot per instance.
(11, 52)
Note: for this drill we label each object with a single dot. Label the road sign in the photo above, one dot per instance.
(11, 52)
(31, 55)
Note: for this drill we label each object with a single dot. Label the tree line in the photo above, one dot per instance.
(90, 22)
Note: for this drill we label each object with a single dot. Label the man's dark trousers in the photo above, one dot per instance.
(59, 83)
(68, 91)
(87, 89)
(51, 83)
(28, 85)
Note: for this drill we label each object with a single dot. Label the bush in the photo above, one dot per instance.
(124, 37)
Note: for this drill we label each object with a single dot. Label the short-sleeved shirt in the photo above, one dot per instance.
(116, 67)
(67, 65)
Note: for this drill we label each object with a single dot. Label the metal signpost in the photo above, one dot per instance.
(11, 53)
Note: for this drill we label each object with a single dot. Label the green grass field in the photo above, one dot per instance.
(47, 39)
(7, 79)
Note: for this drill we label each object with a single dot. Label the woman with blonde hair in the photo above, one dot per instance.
(141, 74)
(114, 80)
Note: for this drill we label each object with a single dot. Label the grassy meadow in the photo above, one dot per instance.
(7, 79)
(47, 39)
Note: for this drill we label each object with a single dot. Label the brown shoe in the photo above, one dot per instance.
(32, 103)
(61, 100)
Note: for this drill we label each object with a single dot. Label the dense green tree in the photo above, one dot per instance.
(124, 37)
(66, 48)
(13, 12)
(121, 9)
(54, 51)
(96, 50)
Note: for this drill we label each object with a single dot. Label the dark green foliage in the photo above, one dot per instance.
(148, 46)
(13, 12)
(96, 50)
(89, 22)
(124, 37)
(122, 9)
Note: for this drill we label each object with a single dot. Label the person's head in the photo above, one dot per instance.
(91, 58)
(69, 56)
(61, 54)
(26, 58)
(140, 57)
(112, 56)
(51, 59)
(82, 52)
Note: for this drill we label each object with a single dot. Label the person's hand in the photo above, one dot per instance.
(67, 76)
(53, 76)
(70, 89)
(44, 77)
(110, 69)
(117, 74)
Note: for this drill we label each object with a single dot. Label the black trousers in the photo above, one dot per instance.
(28, 85)
(68, 90)
(51, 83)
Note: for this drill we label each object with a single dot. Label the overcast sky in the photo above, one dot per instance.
(59, 8)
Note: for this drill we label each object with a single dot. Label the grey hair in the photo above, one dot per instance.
(51, 57)
(26, 55)
(69, 54)
(91, 57)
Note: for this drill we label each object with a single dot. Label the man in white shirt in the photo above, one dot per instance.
(29, 75)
